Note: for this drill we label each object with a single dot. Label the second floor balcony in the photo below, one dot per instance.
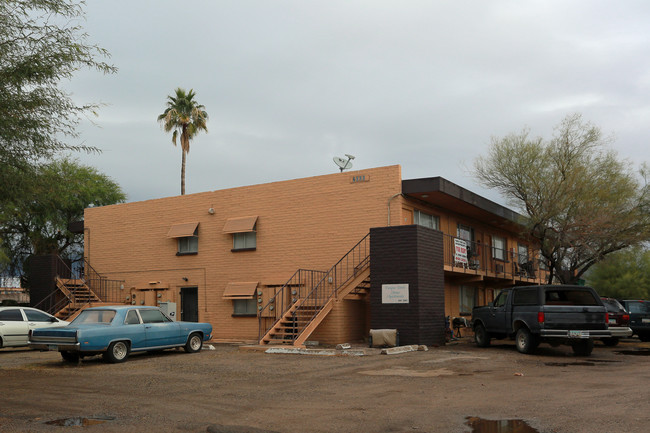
(502, 266)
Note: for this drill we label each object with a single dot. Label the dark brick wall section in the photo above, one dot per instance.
(410, 255)
(41, 271)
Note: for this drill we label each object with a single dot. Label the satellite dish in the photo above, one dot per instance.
(344, 164)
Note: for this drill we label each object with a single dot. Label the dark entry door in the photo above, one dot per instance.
(190, 304)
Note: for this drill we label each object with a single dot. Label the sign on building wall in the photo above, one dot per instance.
(394, 293)
(460, 251)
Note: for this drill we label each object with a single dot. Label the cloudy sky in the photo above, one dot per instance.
(288, 85)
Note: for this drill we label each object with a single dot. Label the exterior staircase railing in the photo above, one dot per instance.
(308, 301)
(78, 285)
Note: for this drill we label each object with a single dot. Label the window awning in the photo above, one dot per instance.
(182, 230)
(240, 290)
(240, 225)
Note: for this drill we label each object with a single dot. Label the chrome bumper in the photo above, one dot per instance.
(621, 332)
(70, 347)
(576, 334)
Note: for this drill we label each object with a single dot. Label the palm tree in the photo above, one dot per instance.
(186, 118)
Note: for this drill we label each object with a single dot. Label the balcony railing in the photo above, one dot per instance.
(462, 256)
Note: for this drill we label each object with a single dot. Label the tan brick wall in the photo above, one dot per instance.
(304, 223)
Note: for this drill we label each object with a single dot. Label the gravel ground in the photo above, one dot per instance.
(232, 390)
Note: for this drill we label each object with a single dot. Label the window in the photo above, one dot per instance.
(542, 261)
(498, 248)
(12, 315)
(94, 316)
(500, 301)
(525, 297)
(244, 241)
(153, 316)
(467, 299)
(522, 252)
(243, 298)
(189, 244)
(570, 297)
(244, 307)
(187, 237)
(37, 316)
(426, 220)
(132, 318)
(244, 232)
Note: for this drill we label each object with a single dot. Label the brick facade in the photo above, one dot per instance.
(410, 255)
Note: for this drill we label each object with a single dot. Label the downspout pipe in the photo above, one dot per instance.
(389, 200)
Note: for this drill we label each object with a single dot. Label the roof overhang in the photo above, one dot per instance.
(440, 192)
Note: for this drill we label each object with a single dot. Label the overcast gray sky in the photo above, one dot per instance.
(290, 84)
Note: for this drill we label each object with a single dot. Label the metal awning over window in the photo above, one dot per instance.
(182, 230)
(243, 290)
(240, 225)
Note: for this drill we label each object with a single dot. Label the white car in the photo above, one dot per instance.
(16, 322)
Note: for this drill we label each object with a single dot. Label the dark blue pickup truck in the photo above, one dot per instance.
(554, 314)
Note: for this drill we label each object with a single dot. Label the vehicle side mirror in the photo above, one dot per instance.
(53, 319)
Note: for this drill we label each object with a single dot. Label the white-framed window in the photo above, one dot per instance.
(244, 241)
(189, 244)
(498, 247)
(522, 254)
(244, 307)
(426, 220)
(467, 299)
(542, 261)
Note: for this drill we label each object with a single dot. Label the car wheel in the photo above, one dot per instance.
(481, 336)
(644, 336)
(117, 351)
(194, 343)
(583, 348)
(72, 357)
(525, 341)
(611, 341)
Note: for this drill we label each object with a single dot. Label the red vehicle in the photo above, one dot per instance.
(618, 321)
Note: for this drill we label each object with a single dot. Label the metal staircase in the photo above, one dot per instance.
(78, 294)
(302, 304)
(78, 288)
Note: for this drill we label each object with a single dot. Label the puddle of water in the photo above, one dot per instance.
(640, 352)
(480, 425)
(78, 421)
(565, 364)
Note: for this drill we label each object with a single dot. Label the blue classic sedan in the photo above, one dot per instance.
(117, 331)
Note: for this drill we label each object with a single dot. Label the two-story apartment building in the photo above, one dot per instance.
(250, 258)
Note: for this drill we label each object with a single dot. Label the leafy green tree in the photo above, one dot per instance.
(41, 43)
(580, 201)
(53, 196)
(622, 275)
(186, 118)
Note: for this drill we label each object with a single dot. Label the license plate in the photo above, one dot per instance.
(53, 347)
(612, 322)
(645, 320)
(578, 334)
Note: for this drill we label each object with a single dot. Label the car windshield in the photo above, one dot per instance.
(94, 316)
(639, 307)
(613, 306)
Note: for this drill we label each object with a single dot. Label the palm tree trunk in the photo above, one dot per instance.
(183, 174)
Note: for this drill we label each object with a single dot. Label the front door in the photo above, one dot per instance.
(190, 304)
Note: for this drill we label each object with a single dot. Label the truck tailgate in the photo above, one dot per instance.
(574, 317)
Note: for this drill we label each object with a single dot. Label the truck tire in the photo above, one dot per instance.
(583, 348)
(525, 341)
(481, 336)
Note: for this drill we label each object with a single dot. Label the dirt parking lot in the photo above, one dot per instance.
(227, 389)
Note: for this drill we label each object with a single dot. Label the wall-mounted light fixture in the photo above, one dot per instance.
(211, 211)
(185, 279)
